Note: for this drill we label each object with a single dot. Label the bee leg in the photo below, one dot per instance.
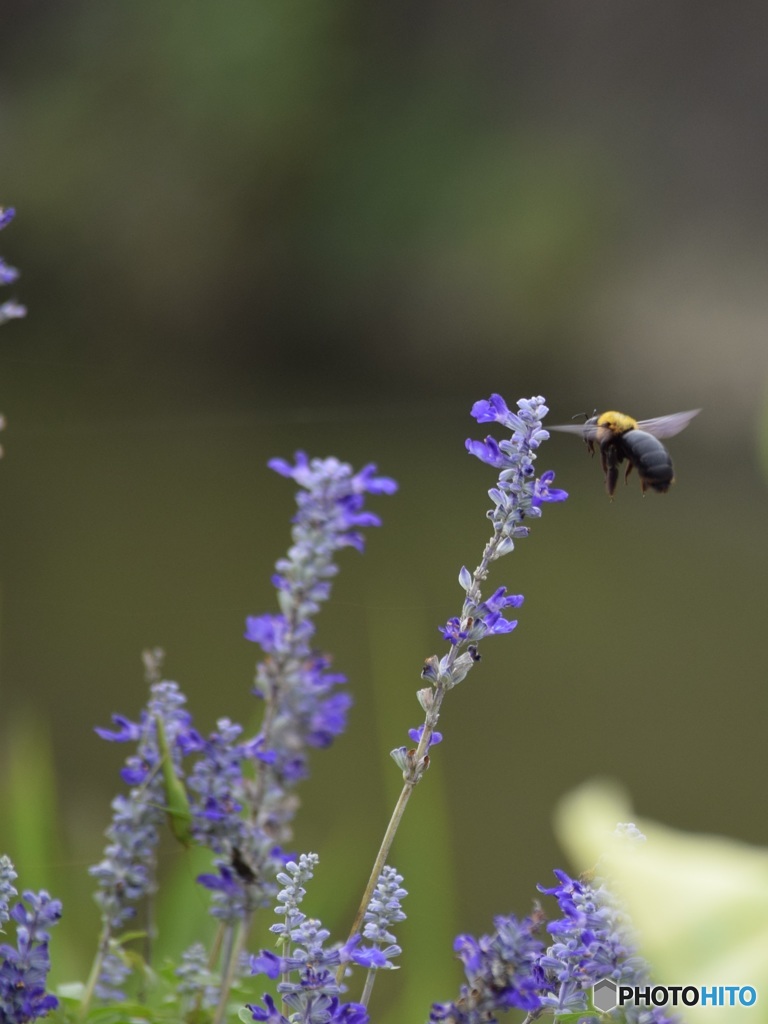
(610, 468)
(627, 471)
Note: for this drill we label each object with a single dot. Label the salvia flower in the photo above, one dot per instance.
(213, 794)
(8, 274)
(417, 733)
(316, 1010)
(593, 941)
(114, 971)
(303, 707)
(24, 967)
(306, 963)
(383, 913)
(292, 894)
(7, 888)
(219, 784)
(127, 872)
(9, 310)
(487, 619)
(405, 757)
(501, 971)
(197, 984)
(517, 497)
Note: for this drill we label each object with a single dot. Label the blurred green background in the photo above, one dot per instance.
(248, 227)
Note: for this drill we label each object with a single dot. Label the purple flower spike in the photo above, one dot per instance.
(9, 310)
(518, 494)
(593, 942)
(24, 967)
(295, 680)
(501, 972)
(517, 497)
(126, 874)
(307, 965)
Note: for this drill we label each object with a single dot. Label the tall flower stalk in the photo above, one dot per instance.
(126, 874)
(301, 707)
(517, 498)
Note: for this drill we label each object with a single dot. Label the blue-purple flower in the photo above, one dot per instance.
(126, 873)
(418, 732)
(319, 1009)
(485, 619)
(7, 889)
(518, 494)
(24, 967)
(9, 310)
(115, 969)
(511, 968)
(517, 497)
(306, 963)
(197, 984)
(383, 913)
(593, 941)
(218, 785)
(303, 707)
(501, 971)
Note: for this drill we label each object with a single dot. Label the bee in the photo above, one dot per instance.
(621, 438)
(241, 867)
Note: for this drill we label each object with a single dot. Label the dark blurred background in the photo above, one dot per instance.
(249, 227)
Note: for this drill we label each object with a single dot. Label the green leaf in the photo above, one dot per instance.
(177, 802)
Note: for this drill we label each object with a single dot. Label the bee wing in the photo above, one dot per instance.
(586, 430)
(668, 426)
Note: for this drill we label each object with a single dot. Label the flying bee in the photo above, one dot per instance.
(620, 438)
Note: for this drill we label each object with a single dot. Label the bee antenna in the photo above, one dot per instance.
(585, 415)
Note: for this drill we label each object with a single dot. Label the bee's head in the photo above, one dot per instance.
(616, 422)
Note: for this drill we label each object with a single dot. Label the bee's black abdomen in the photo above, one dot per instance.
(650, 458)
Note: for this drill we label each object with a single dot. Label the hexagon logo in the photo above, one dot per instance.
(604, 995)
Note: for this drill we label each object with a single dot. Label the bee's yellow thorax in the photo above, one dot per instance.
(616, 422)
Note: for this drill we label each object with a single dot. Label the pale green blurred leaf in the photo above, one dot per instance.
(699, 902)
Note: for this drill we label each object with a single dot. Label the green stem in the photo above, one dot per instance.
(430, 723)
(231, 965)
(397, 815)
(368, 987)
(381, 856)
(93, 977)
(226, 963)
